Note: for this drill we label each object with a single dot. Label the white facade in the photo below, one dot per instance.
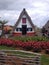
(27, 23)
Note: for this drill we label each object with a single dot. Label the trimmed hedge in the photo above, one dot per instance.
(36, 46)
(30, 38)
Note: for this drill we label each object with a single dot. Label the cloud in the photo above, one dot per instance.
(13, 4)
(38, 10)
(10, 16)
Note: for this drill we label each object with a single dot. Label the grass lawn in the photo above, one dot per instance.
(6, 48)
(20, 54)
(44, 57)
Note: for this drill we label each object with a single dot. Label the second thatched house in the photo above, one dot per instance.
(45, 29)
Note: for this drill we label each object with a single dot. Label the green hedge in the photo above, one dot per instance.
(29, 38)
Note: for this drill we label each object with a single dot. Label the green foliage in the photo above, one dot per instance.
(45, 60)
(3, 22)
(2, 26)
(3, 47)
(28, 38)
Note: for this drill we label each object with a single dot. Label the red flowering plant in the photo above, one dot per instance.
(10, 43)
(2, 41)
(37, 46)
(43, 44)
(47, 48)
(27, 45)
(7, 42)
(18, 43)
(47, 45)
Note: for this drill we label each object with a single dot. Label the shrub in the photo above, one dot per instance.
(37, 47)
(27, 45)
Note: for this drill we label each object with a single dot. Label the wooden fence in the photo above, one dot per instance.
(17, 59)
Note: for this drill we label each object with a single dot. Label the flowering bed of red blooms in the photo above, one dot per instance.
(35, 45)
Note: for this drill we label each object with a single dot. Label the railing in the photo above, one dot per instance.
(7, 58)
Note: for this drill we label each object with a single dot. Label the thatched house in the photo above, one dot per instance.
(24, 25)
(46, 26)
(45, 29)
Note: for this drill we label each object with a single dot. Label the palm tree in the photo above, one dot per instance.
(2, 23)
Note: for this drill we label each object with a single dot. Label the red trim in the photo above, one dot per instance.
(28, 34)
(17, 34)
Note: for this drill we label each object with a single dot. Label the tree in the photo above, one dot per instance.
(2, 23)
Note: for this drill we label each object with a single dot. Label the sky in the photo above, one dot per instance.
(38, 10)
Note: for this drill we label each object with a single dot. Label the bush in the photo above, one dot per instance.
(27, 45)
(37, 47)
(31, 38)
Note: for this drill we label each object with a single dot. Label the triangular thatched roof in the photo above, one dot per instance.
(47, 24)
(28, 17)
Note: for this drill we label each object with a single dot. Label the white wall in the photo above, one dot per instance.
(27, 23)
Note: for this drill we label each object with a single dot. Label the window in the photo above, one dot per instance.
(23, 20)
(18, 29)
(29, 29)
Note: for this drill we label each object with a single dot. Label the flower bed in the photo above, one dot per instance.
(30, 45)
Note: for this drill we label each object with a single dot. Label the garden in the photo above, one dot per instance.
(34, 44)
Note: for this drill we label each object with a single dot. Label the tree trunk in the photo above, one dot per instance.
(2, 29)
